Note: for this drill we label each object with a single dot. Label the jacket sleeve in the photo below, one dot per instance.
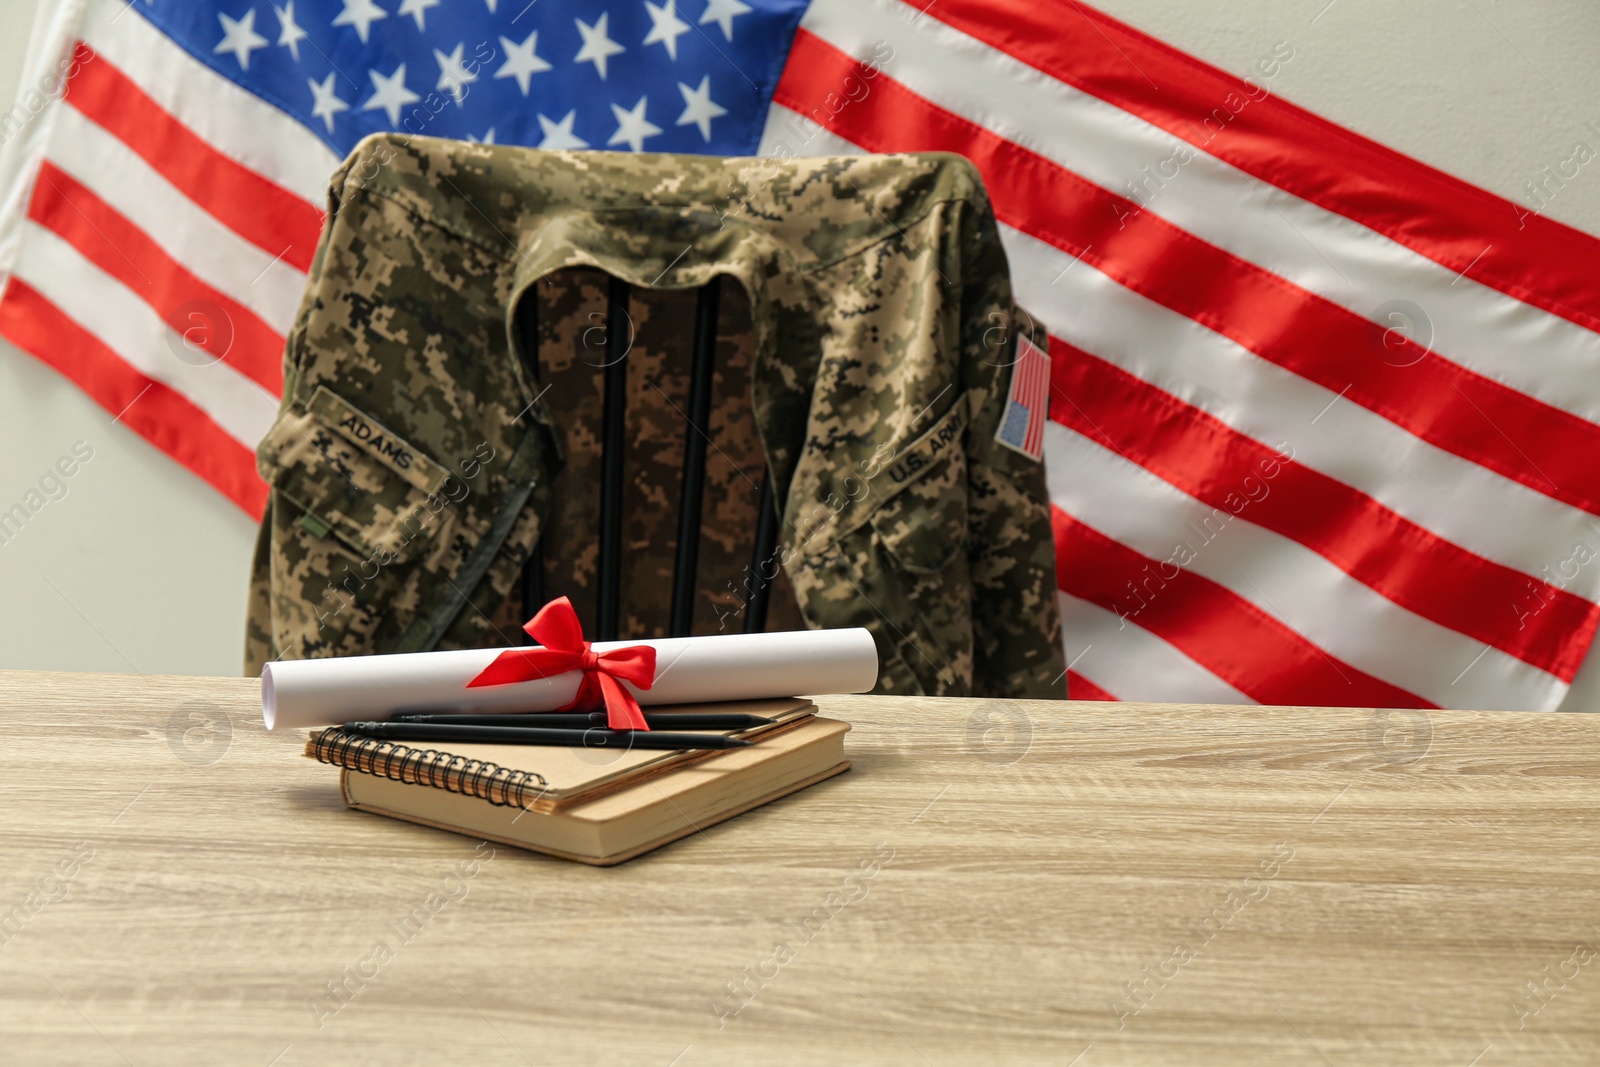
(1017, 649)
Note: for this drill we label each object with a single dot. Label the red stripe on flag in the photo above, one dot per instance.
(1080, 688)
(1215, 627)
(1460, 226)
(1498, 427)
(261, 211)
(163, 416)
(1403, 561)
(1038, 398)
(209, 319)
(1027, 375)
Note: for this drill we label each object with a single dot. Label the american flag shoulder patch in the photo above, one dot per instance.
(1022, 423)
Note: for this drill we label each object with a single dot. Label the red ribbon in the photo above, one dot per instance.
(556, 628)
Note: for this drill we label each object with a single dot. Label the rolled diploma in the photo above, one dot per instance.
(689, 670)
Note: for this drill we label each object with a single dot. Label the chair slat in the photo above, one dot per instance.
(533, 570)
(613, 445)
(696, 437)
(762, 561)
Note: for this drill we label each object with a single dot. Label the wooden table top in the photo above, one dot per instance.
(995, 881)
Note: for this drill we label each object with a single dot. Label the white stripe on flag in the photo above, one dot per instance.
(1135, 664)
(55, 28)
(129, 327)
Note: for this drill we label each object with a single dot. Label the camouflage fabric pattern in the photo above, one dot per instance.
(875, 301)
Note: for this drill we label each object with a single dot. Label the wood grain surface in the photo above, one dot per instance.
(994, 882)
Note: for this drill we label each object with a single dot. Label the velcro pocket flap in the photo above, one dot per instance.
(352, 478)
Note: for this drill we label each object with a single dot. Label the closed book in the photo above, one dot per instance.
(594, 806)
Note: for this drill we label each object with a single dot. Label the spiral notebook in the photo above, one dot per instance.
(594, 806)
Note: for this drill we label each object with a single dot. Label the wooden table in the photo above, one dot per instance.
(1055, 883)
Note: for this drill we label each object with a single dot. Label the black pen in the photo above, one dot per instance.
(531, 735)
(688, 720)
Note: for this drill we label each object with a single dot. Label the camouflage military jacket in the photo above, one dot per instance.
(412, 447)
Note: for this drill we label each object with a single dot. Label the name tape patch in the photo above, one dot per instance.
(375, 440)
(916, 457)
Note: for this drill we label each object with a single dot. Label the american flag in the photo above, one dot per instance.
(1323, 420)
(1022, 423)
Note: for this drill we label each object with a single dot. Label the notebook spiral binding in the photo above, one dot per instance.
(498, 785)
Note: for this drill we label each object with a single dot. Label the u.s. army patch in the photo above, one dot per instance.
(377, 441)
(1027, 402)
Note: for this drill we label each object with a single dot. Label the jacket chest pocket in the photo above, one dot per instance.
(354, 508)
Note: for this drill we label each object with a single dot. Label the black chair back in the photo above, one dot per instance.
(614, 447)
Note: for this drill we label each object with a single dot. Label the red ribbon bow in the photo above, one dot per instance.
(556, 627)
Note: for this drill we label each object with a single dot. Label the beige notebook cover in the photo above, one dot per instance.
(606, 827)
(539, 777)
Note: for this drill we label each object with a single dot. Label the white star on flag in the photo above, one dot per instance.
(632, 126)
(289, 31)
(326, 103)
(454, 77)
(665, 26)
(362, 14)
(699, 108)
(723, 12)
(239, 36)
(521, 63)
(390, 93)
(559, 134)
(417, 9)
(597, 45)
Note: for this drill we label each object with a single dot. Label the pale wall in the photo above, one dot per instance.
(143, 567)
